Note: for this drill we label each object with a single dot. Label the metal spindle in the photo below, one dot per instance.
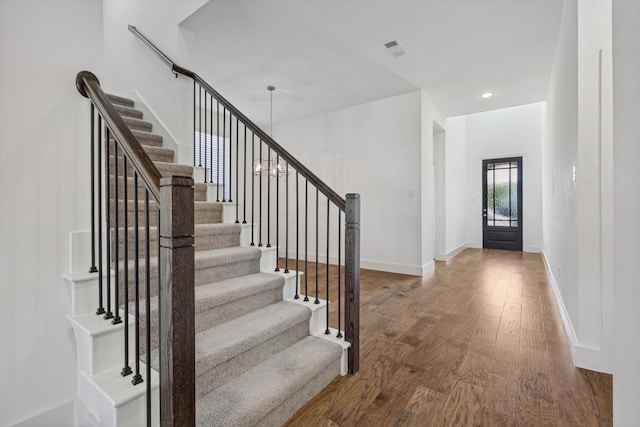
(277, 172)
(224, 155)
(339, 335)
(100, 309)
(211, 142)
(237, 168)
(93, 268)
(230, 158)
(269, 196)
(297, 296)
(202, 136)
(194, 124)
(286, 220)
(116, 311)
(218, 150)
(260, 200)
(107, 161)
(199, 130)
(137, 378)
(126, 370)
(327, 331)
(306, 240)
(147, 262)
(253, 180)
(244, 181)
(317, 301)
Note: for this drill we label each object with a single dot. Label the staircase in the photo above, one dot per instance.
(260, 353)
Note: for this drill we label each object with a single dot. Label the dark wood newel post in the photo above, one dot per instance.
(177, 329)
(352, 278)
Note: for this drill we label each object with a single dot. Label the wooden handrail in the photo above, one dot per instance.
(284, 154)
(89, 86)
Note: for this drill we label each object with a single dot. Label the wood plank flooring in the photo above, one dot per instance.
(479, 342)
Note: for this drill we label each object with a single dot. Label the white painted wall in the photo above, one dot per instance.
(456, 184)
(372, 149)
(439, 171)
(510, 132)
(560, 154)
(44, 181)
(430, 115)
(132, 68)
(577, 214)
(626, 110)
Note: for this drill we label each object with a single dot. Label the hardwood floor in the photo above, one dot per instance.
(480, 342)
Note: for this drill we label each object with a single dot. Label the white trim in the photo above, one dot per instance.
(454, 252)
(568, 327)
(413, 270)
(533, 249)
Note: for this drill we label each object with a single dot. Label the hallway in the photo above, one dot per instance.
(478, 342)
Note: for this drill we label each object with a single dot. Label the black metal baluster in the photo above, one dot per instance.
(260, 200)
(100, 309)
(218, 151)
(224, 155)
(107, 161)
(237, 168)
(230, 157)
(211, 142)
(317, 301)
(327, 331)
(202, 136)
(269, 197)
(297, 295)
(253, 181)
(286, 219)
(126, 370)
(200, 124)
(339, 335)
(137, 378)
(277, 172)
(116, 291)
(244, 180)
(306, 240)
(93, 268)
(147, 266)
(194, 124)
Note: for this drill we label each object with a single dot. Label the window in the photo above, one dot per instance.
(213, 154)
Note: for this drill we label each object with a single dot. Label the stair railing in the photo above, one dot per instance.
(119, 165)
(249, 175)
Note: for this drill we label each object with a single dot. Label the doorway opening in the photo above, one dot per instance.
(502, 203)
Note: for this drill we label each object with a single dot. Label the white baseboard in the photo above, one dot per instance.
(452, 253)
(568, 326)
(59, 416)
(533, 249)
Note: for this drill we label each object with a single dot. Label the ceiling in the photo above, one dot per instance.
(323, 55)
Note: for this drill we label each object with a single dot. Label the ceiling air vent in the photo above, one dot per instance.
(394, 48)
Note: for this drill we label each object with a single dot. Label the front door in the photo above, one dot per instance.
(502, 203)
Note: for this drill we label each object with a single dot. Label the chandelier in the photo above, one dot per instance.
(271, 167)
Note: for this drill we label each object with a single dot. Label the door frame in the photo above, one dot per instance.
(519, 244)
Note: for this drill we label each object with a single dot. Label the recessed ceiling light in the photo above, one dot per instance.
(487, 95)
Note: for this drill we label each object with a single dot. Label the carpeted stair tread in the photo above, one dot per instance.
(148, 138)
(216, 294)
(138, 124)
(157, 154)
(217, 257)
(216, 345)
(215, 236)
(168, 169)
(120, 100)
(128, 111)
(251, 398)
